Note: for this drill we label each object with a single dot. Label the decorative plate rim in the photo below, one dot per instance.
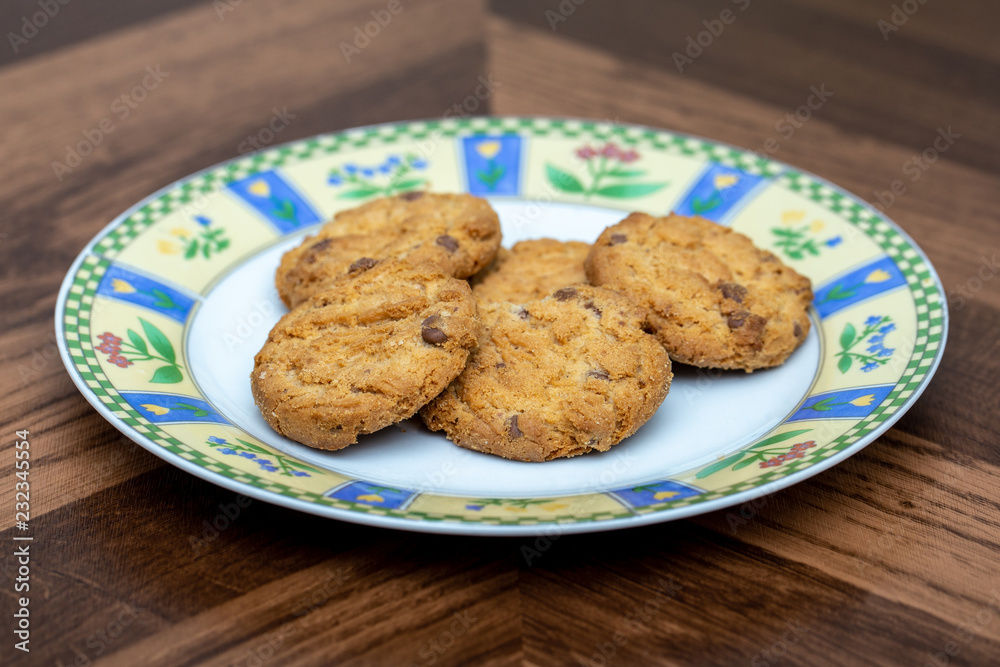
(400, 519)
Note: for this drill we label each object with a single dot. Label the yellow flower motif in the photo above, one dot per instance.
(488, 149)
(817, 225)
(726, 181)
(177, 231)
(515, 509)
(552, 507)
(260, 188)
(371, 498)
(122, 286)
(664, 495)
(863, 401)
(156, 409)
(788, 217)
(167, 247)
(877, 276)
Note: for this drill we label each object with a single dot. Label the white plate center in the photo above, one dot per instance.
(706, 415)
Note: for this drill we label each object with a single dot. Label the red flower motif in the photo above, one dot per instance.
(119, 361)
(610, 150)
(110, 338)
(586, 153)
(629, 156)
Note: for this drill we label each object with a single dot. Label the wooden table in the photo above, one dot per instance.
(892, 557)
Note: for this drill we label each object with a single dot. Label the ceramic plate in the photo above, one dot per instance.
(160, 317)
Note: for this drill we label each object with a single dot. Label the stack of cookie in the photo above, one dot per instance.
(557, 349)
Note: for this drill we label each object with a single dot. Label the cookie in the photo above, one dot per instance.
(713, 299)
(364, 353)
(561, 376)
(530, 270)
(460, 233)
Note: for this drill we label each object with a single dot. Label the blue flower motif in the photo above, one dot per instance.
(869, 367)
(886, 352)
(417, 163)
(299, 473)
(367, 173)
(873, 349)
(227, 450)
(268, 468)
(217, 441)
(248, 455)
(874, 320)
(335, 180)
(351, 168)
(202, 220)
(834, 242)
(264, 462)
(887, 328)
(393, 160)
(385, 168)
(474, 508)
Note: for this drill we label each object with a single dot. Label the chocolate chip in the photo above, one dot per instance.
(514, 431)
(447, 242)
(433, 336)
(362, 264)
(410, 196)
(523, 314)
(501, 365)
(618, 239)
(565, 294)
(430, 333)
(591, 306)
(733, 291)
(797, 330)
(600, 375)
(316, 248)
(737, 319)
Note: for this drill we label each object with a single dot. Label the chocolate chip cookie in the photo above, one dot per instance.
(367, 351)
(530, 270)
(713, 299)
(460, 233)
(557, 377)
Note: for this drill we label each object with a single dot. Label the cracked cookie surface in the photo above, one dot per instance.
(556, 377)
(530, 270)
(364, 353)
(460, 233)
(713, 299)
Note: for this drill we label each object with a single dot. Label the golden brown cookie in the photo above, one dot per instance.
(568, 374)
(713, 299)
(530, 270)
(366, 352)
(460, 233)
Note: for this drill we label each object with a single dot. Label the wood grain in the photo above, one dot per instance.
(889, 558)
